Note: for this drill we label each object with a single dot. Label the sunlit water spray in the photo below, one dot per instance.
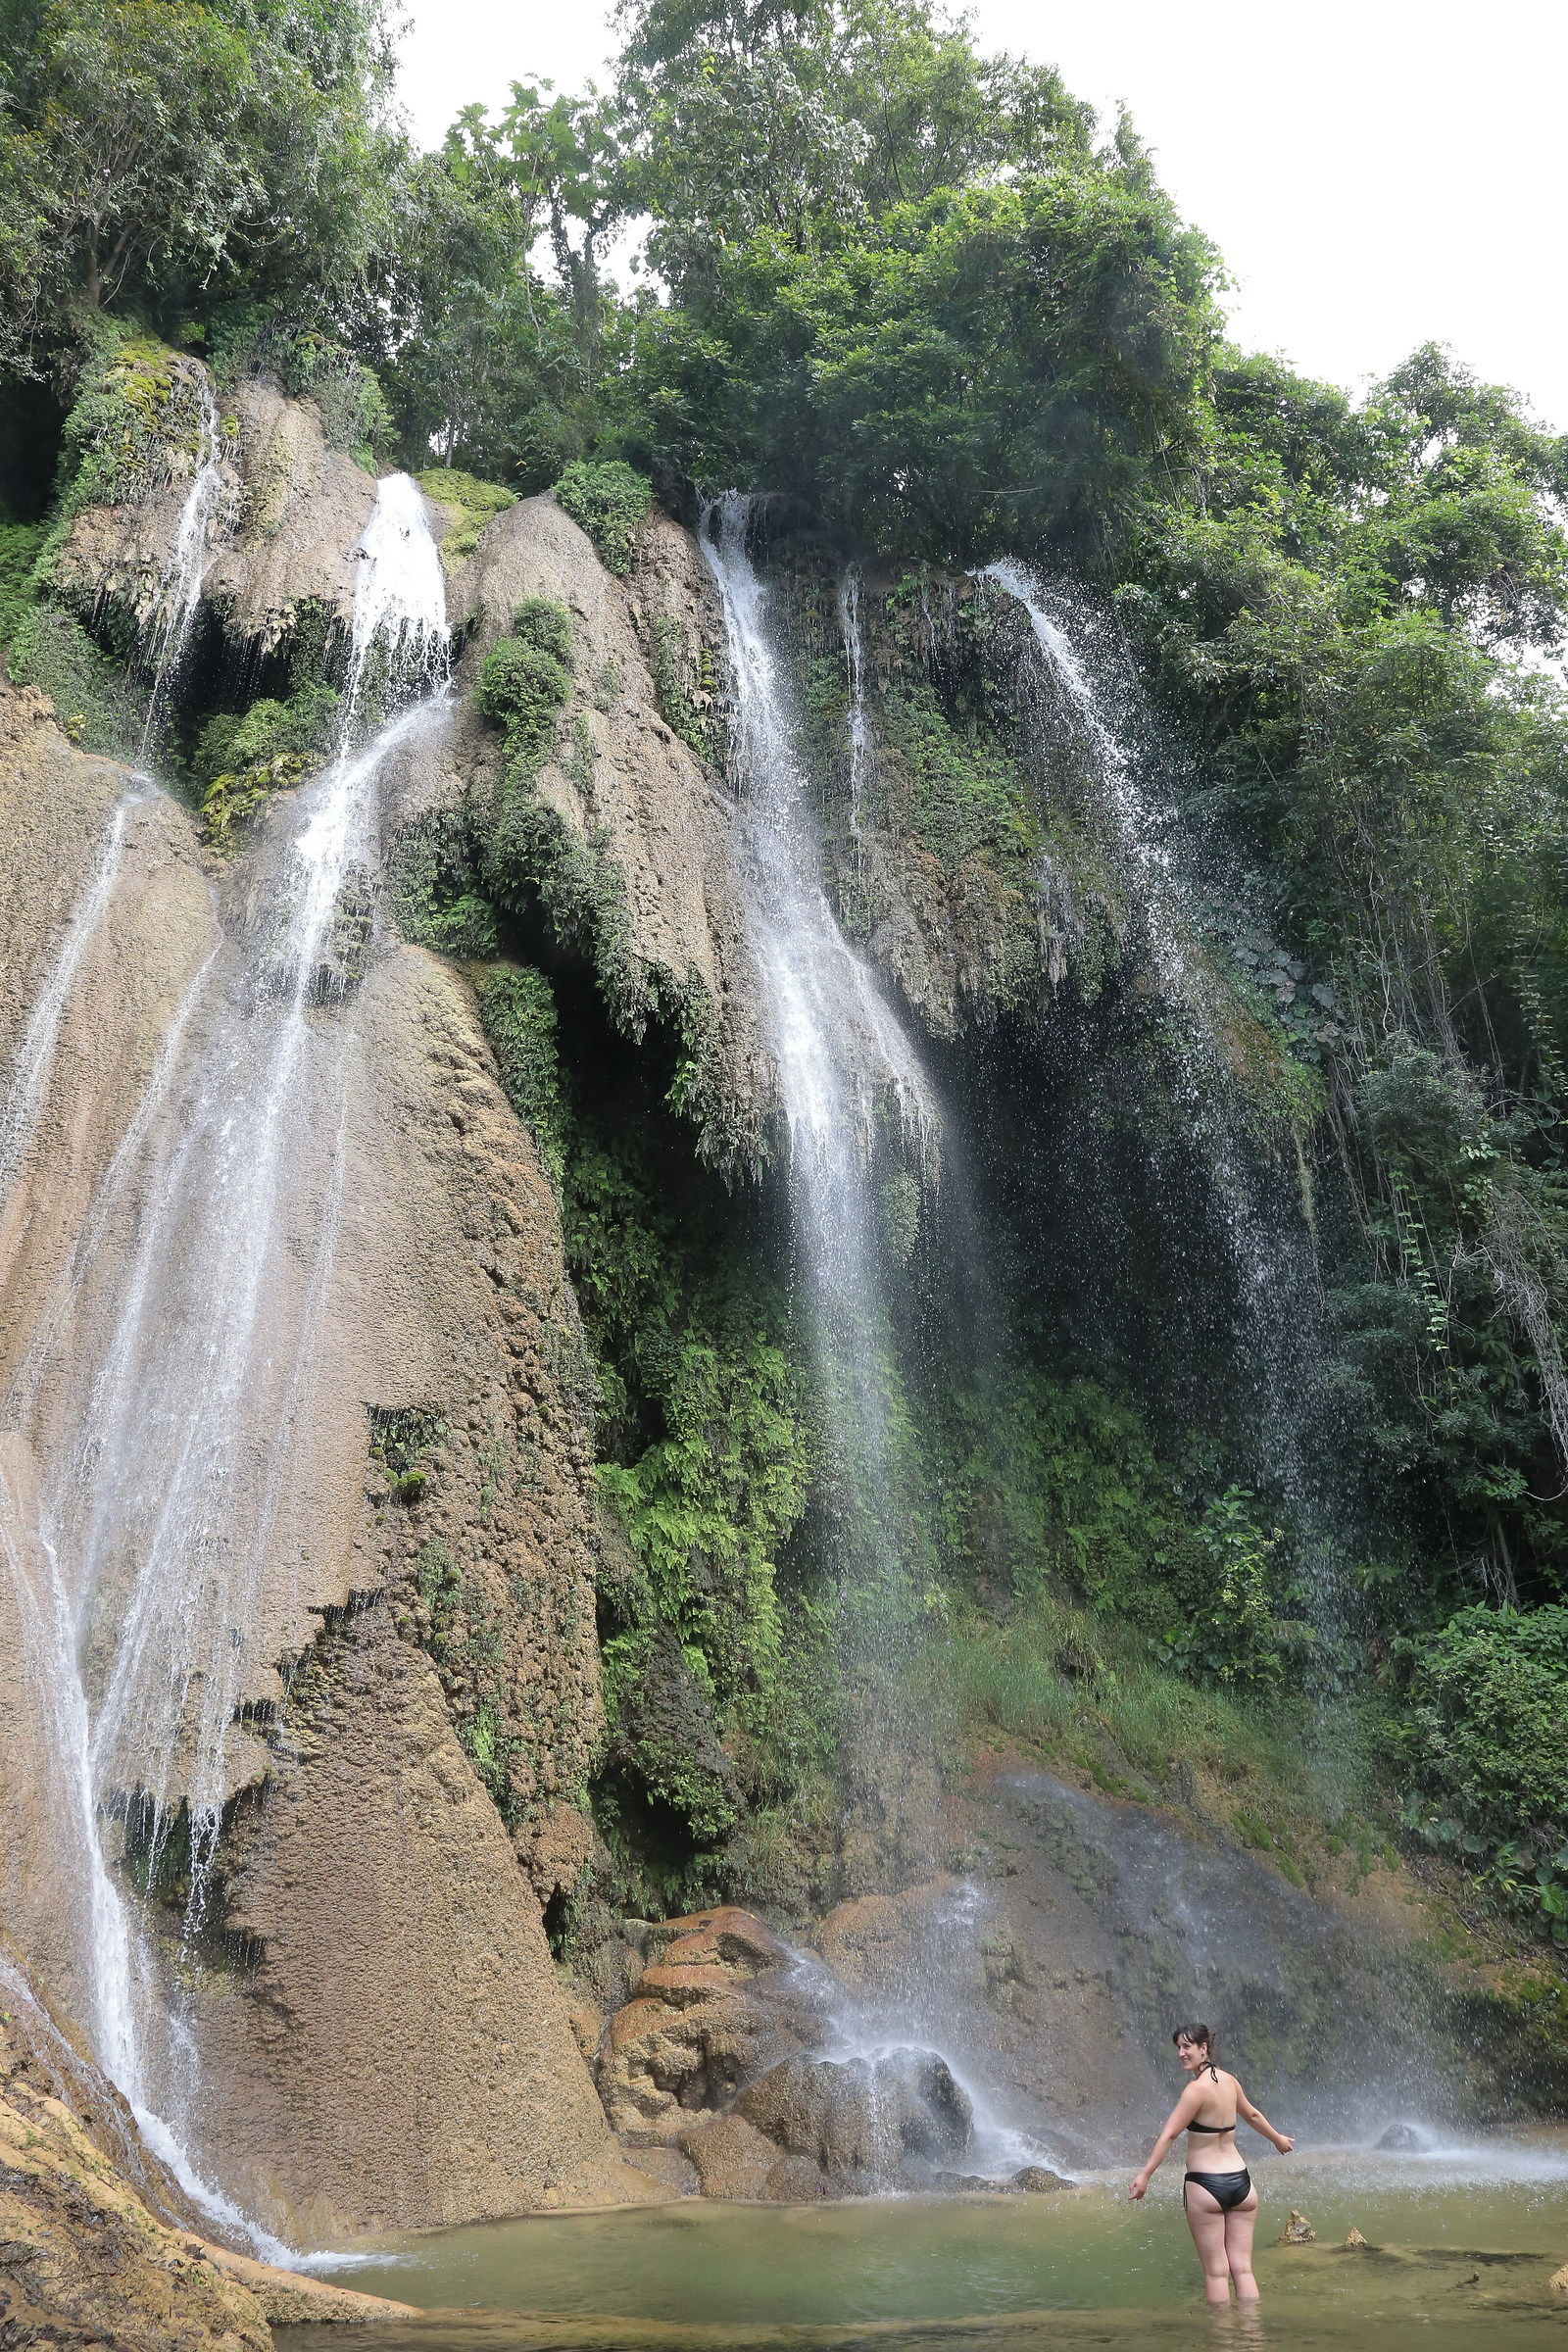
(166, 1514)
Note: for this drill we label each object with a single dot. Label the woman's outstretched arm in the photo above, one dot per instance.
(1260, 2123)
(1174, 2127)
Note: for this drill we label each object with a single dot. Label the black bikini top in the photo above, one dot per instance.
(1230, 2126)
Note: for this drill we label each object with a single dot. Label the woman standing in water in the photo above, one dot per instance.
(1218, 2193)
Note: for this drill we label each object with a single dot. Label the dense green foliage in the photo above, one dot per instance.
(610, 501)
(168, 156)
(1485, 1741)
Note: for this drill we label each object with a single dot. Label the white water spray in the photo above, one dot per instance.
(845, 1065)
(27, 1082)
(157, 1563)
(860, 745)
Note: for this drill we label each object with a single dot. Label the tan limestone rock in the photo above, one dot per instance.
(624, 778)
(795, 2180)
(301, 513)
(84, 2262)
(661, 2064)
(733, 2159)
(725, 1937)
(294, 2299)
(1298, 2232)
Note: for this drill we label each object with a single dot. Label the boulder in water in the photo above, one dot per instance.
(1560, 2280)
(733, 2159)
(861, 2119)
(795, 2180)
(1404, 2139)
(1039, 2180)
(1298, 2232)
(1355, 2239)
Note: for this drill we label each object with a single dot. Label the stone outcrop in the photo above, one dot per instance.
(863, 2122)
(714, 2009)
(301, 509)
(97, 2245)
(399, 2056)
(282, 538)
(721, 2053)
(84, 2257)
(624, 781)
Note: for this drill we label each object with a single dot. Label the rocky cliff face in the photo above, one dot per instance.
(423, 1679)
(634, 794)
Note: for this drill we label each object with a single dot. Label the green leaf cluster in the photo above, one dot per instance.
(608, 500)
(1482, 1743)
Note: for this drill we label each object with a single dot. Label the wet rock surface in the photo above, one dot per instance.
(862, 2119)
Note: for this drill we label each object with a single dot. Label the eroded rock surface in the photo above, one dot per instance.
(628, 785)
(418, 1665)
(83, 2259)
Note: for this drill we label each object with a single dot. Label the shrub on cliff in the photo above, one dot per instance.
(1483, 1740)
(608, 500)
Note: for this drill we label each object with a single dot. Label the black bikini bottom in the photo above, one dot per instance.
(1227, 2189)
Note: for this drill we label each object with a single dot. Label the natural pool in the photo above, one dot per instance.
(1463, 2243)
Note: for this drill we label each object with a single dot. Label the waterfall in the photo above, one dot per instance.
(853, 1091)
(859, 722)
(208, 504)
(843, 1057)
(160, 1556)
(1278, 1296)
(27, 1083)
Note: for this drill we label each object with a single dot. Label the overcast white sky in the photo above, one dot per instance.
(1377, 173)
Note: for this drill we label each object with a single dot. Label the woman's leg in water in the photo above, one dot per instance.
(1206, 2222)
(1239, 2226)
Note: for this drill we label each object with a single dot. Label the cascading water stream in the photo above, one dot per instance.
(848, 1073)
(27, 1084)
(1277, 1292)
(860, 748)
(159, 1552)
(843, 1058)
(208, 505)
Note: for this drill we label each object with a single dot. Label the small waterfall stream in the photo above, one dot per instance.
(1277, 1292)
(209, 506)
(845, 1062)
(150, 1519)
(848, 1074)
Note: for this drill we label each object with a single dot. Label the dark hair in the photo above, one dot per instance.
(1200, 2037)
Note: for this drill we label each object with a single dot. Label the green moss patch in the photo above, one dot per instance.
(471, 506)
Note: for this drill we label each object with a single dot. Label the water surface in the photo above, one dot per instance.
(1463, 2243)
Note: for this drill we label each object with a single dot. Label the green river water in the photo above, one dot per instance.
(1463, 2244)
